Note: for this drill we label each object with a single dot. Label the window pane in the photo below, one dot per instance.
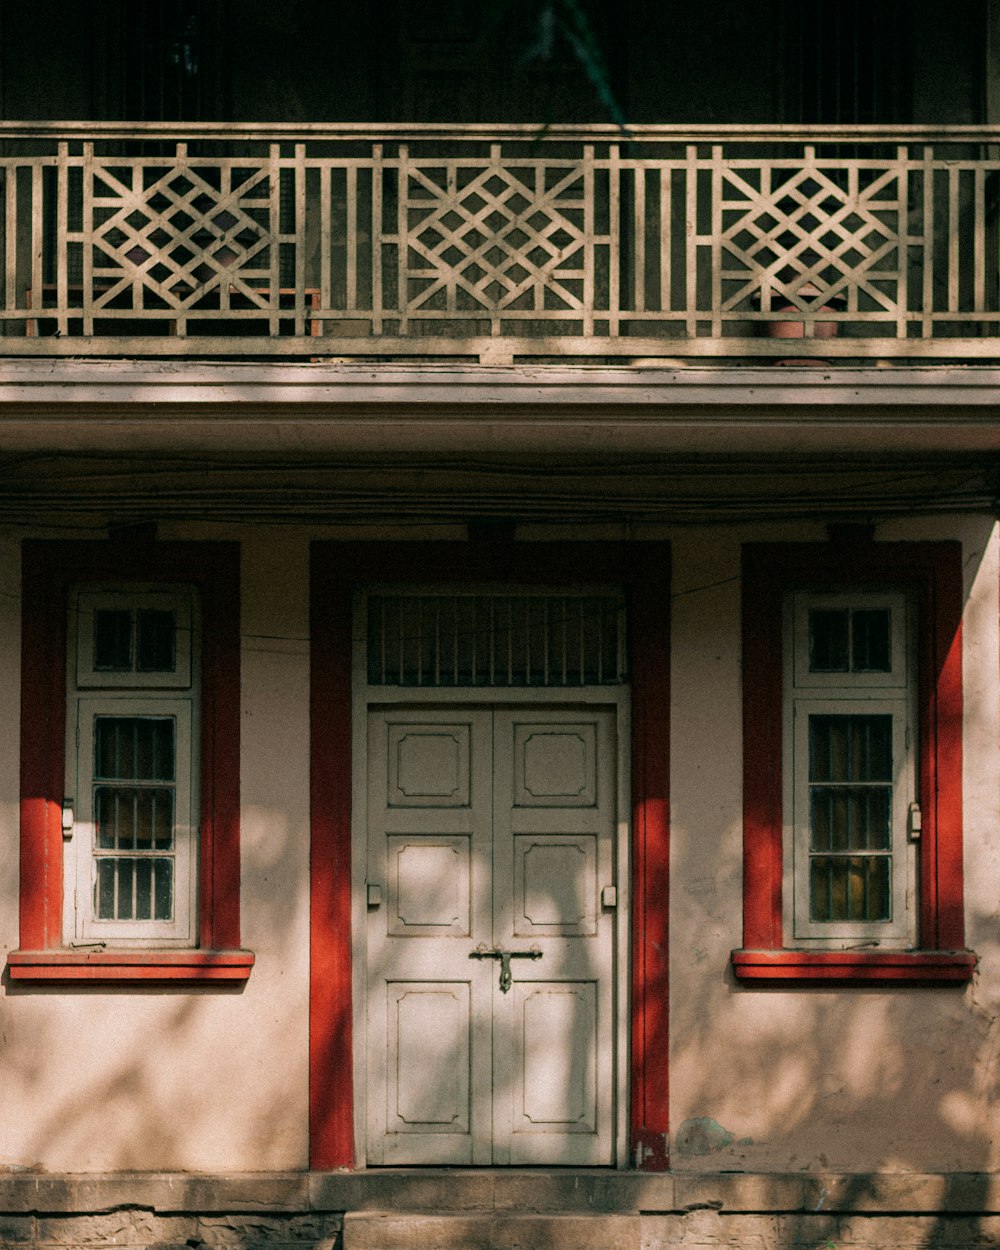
(843, 818)
(128, 888)
(850, 748)
(163, 889)
(155, 641)
(104, 890)
(106, 817)
(112, 641)
(828, 632)
(143, 889)
(129, 818)
(126, 873)
(849, 888)
(134, 748)
(870, 645)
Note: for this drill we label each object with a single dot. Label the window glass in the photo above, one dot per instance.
(850, 774)
(132, 765)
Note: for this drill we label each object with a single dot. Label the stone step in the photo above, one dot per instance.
(385, 1230)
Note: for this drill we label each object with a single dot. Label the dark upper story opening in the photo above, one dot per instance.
(497, 61)
(599, 179)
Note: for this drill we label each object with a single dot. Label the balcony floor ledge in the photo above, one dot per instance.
(346, 407)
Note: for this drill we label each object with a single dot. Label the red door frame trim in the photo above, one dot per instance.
(934, 571)
(49, 570)
(337, 570)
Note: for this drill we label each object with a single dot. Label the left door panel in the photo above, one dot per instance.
(429, 832)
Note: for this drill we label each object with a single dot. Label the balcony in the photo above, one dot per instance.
(852, 244)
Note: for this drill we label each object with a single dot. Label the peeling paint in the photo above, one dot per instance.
(701, 1135)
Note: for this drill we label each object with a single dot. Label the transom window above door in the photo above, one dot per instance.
(523, 638)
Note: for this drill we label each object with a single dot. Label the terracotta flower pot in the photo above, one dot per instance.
(797, 329)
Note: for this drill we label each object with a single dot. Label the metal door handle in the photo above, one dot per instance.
(506, 978)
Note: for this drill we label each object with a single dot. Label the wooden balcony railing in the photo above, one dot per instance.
(499, 242)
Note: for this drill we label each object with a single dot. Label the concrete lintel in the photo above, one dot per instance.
(76, 406)
(185, 383)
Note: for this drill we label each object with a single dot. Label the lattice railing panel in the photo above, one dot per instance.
(317, 241)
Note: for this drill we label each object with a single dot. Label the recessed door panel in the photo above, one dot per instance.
(555, 1058)
(428, 765)
(429, 885)
(555, 884)
(429, 1048)
(491, 992)
(555, 765)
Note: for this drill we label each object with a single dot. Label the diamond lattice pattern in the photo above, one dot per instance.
(177, 234)
(812, 234)
(501, 240)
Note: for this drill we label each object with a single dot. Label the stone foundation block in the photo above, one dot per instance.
(379, 1231)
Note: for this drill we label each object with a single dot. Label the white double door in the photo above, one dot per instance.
(491, 935)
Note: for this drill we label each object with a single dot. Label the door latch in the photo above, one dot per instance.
(506, 977)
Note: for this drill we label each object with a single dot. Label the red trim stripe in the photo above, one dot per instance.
(337, 570)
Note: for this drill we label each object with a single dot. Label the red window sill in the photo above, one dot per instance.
(137, 967)
(854, 967)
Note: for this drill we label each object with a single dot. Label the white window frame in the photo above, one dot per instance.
(89, 602)
(92, 694)
(806, 694)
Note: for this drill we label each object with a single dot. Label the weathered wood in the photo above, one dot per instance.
(499, 241)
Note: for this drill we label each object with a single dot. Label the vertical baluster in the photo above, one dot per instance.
(590, 241)
(351, 237)
(979, 241)
(904, 239)
(10, 241)
(639, 233)
(37, 231)
(62, 229)
(716, 232)
(180, 322)
(377, 177)
(325, 231)
(402, 243)
(953, 239)
(299, 239)
(225, 193)
(666, 240)
(451, 200)
(927, 323)
(614, 239)
(691, 240)
(274, 229)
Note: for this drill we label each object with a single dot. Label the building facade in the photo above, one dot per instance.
(500, 625)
